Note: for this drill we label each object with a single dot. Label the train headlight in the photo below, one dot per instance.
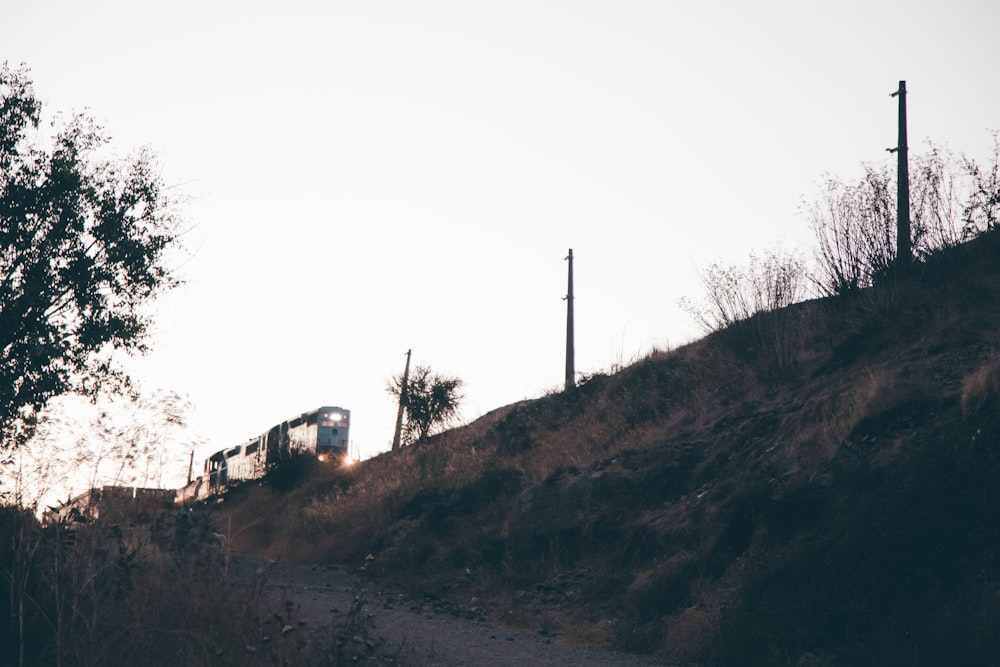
(336, 416)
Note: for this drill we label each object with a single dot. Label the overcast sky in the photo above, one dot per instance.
(369, 177)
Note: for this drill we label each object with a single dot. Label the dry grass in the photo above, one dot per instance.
(131, 587)
(749, 495)
(746, 499)
(107, 592)
(981, 388)
(688, 634)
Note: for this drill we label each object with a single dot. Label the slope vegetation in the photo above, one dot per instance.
(816, 486)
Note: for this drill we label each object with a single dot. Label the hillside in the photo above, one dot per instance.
(814, 487)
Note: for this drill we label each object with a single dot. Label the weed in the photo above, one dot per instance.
(981, 387)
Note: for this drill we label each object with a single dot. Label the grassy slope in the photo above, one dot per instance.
(816, 486)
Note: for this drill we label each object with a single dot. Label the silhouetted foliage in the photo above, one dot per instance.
(432, 402)
(131, 587)
(291, 469)
(982, 210)
(83, 245)
(769, 282)
(952, 200)
(855, 230)
(750, 305)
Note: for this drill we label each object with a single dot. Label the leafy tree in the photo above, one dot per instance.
(432, 402)
(83, 248)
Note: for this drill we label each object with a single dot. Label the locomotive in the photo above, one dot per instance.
(324, 431)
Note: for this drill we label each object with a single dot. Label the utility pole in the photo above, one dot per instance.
(570, 352)
(904, 253)
(402, 404)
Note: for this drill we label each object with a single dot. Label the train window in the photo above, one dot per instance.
(233, 452)
(252, 447)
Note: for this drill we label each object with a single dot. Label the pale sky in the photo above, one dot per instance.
(370, 177)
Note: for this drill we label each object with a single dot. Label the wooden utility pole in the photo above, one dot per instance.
(570, 352)
(904, 253)
(402, 404)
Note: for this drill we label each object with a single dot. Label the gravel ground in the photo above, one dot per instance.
(331, 607)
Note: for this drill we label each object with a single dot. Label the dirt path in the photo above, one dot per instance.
(325, 605)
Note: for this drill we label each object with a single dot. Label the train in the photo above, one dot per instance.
(324, 431)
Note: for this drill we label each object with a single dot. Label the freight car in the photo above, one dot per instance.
(324, 431)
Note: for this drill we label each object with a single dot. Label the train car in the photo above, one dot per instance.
(324, 431)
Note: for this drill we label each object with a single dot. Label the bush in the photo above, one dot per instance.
(981, 387)
(855, 226)
(105, 593)
(952, 200)
(290, 471)
(767, 283)
(750, 303)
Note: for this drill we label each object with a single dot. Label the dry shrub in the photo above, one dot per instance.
(870, 395)
(109, 594)
(688, 635)
(343, 512)
(981, 387)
